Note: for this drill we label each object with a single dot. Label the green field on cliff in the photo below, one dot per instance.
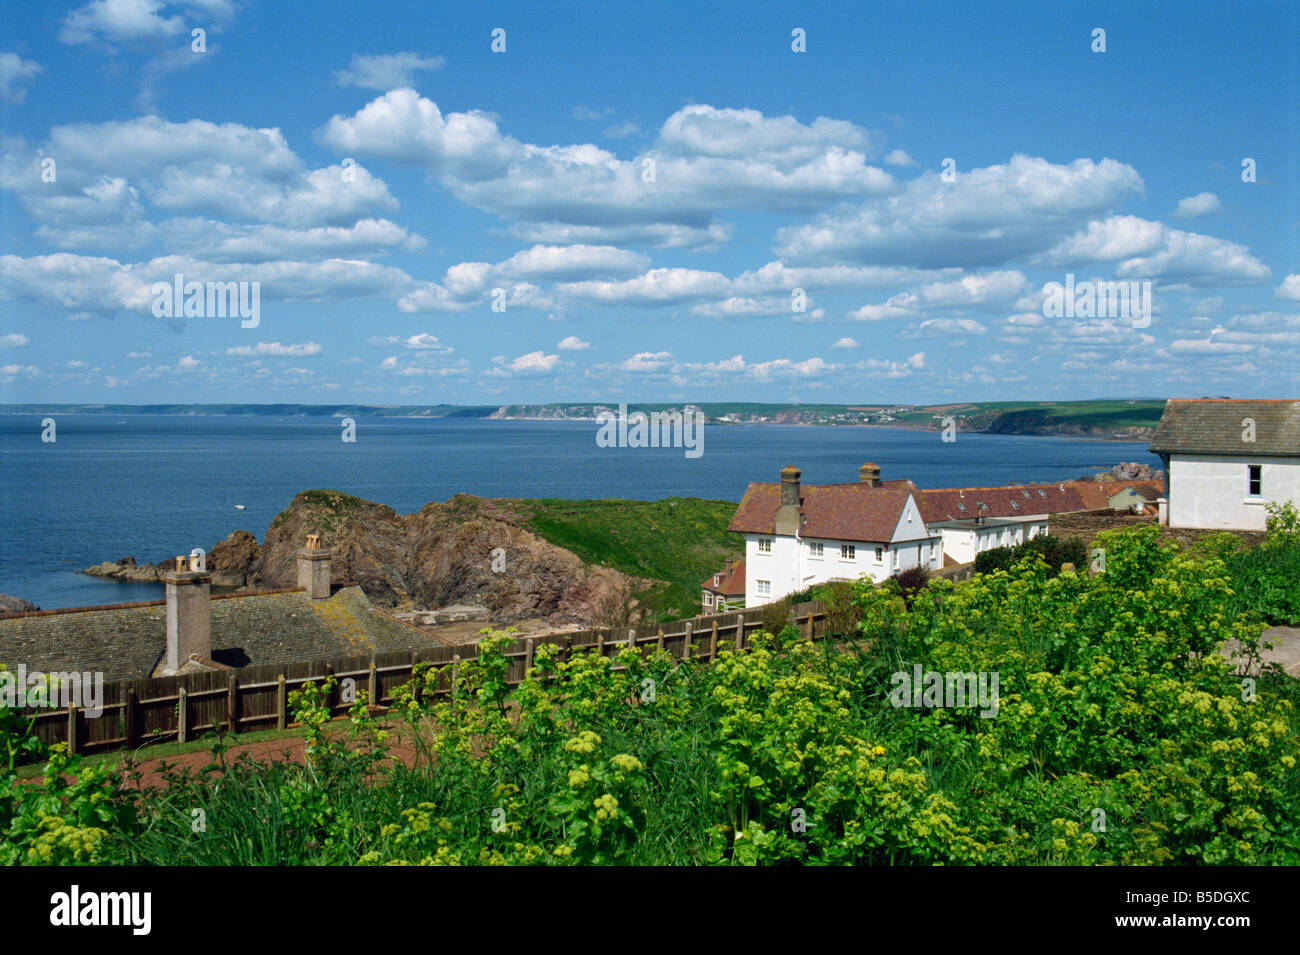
(679, 541)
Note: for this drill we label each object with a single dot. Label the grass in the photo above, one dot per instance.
(678, 541)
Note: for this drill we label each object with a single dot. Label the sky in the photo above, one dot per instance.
(525, 203)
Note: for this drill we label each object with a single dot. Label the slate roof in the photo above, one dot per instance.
(732, 583)
(1017, 501)
(126, 642)
(851, 512)
(1213, 426)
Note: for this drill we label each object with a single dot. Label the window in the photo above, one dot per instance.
(1015, 506)
(815, 549)
(764, 587)
(880, 554)
(848, 552)
(961, 507)
(765, 545)
(1254, 480)
(1042, 493)
(708, 599)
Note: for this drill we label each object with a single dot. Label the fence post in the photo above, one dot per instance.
(659, 644)
(455, 672)
(281, 703)
(72, 727)
(232, 704)
(686, 640)
(600, 643)
(713, 641)
(740, 630)
(372, 686)
(129, 715)
(417, 686)
(182, 715)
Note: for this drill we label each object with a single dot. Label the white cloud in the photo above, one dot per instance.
(1201, 204)
(386, 71)
(897, 157)
(705, 160)
(1143, 249)
(573, 343)
(275, 349)
(846, 342)
(120, 21)
(14, 72)
(188, 363)
(1290, 288)
(646, 361)
(533, 362)
(657, 287)
(13, 340)
(987, 216)
(622, 130)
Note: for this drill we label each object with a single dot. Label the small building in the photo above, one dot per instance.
(1226, 458)
(725, 590)
(1137, 497)
(799, 535)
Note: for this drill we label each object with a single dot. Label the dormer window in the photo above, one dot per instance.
(1042, 493)
(1015, 506)
(1026, 494)
(961, 507)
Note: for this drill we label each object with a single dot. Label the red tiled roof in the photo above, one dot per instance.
(958, 504)
(1097, 494)
(855, 512)
(732, 583)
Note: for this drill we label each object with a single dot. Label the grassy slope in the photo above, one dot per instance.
(1102, 415)
(679, 540)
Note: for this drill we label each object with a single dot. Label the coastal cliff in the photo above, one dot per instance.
(466, 550)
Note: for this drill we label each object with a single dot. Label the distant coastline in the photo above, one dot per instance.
(1104, 420)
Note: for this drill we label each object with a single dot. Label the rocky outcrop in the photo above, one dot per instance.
(1134, 471)
(10, 604)
(228, 561)
(463, 551)
(467, 550)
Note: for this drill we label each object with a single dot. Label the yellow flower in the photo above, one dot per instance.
(628, 764)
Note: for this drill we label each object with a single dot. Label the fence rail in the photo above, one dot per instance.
(181, 708)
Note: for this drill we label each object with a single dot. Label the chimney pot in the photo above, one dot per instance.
(869, 473)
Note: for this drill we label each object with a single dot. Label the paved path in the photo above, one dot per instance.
(1286, 648)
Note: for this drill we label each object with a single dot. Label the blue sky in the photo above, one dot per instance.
(383, 176)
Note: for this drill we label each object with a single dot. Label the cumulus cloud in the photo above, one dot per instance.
(704, 160)
(14, 73)
(646, 361)
(536, 362)
(845, 342)
(656, 287)
(120, 21)
(1142, 249)
(1290, 288)
(572, 343)
(985, 217)
(275, 349)
(386, 71)
(1201, 204)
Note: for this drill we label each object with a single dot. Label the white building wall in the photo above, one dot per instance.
(1210, 491)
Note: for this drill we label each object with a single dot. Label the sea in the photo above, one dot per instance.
(151, 486)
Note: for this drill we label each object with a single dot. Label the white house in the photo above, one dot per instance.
(1226, 458)
(975, 519)
(799, 535)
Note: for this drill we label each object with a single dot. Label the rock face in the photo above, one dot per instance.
(468, 550)
(464, 551)
(10, 604)
(1133, 471)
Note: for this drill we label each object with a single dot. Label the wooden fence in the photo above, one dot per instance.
(181, 708)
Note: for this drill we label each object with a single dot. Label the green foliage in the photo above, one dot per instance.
(1121, 736)
(1054, 552)
(1266, 579)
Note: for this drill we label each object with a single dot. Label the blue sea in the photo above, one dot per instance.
(152, 487)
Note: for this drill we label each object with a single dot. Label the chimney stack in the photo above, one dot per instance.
(314, 568)
(790, 485)
(869, 473)
(789, 520)
(189, 613)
